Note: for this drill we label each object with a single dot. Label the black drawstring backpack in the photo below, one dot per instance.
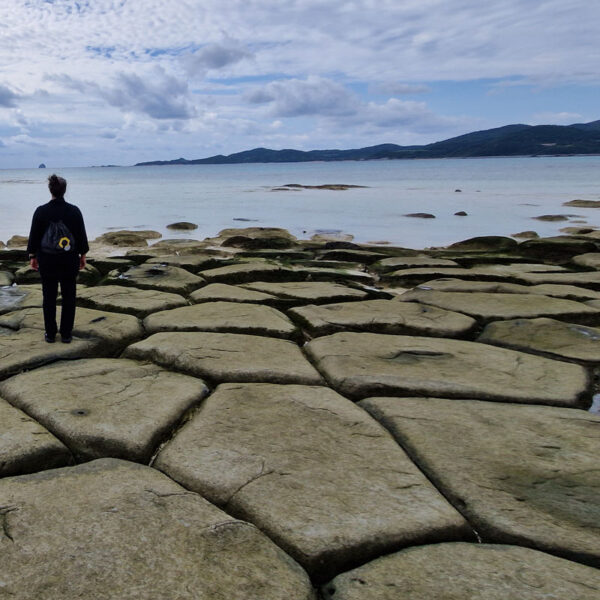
(57, 239)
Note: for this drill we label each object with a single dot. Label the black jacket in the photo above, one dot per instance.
(57, 210)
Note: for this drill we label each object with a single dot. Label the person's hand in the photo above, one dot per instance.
(33, 263)
(82, 262)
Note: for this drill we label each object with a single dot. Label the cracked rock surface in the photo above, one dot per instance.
(131, 300)
(382, 316)
(458, 571)
(224, 357)
(521, 475)
(312, 470)
(487, 307)
(157, 277)
(25, 446)
(365, 364)
(113, 529)
(105, 407)
(226, 317)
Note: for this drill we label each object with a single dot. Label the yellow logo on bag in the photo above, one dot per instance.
(64, 243)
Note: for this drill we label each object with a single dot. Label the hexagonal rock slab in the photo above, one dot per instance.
(520, 474)
(214, 292)
(406, 276)
(157, 277)
(131, 300)
(105, 407)
(113, 529)
(367, 364)
(459, 570)
(191, 262)
(383, 316)
(569, 292)
(25, 446)
(410, 262)
(26, 349)
(251, 271)
(20, 296)
(6, 278)
(311, 470)
(224, 317)
(589, 279)
(546, 336)
(114, 329)
(591, 260)
(228, 357)
(313, 292)
(486, 307)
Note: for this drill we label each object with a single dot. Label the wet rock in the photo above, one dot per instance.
(20, 296)
(569, 292)
(17, 241)
(552, 218)
(526, 235)
(420, 215)
(223, 317)
(190, 262)
(366, 364)
(308, 292)
(105, 265)
(123, 238)
(395, 263)
(547, 337)
(183, 226)
(357, 256)
(520, 474)
(311, 470)
(25, 348)
(332, 237)
(556, 249)
(486, 307)
(382, 316)
(251, 271)
(460, 213)
(228, 357)
(414, 276)
(114, 330)
(6, 278)
(105, 407)
(591, 260)
(157, 277)
(589, 279)
(134, 301)
(485, 243)
(114, 529)
(324, 274)
(25, 446)
(577, 230)
(459, 570)
(252, 238)
(89, 275)
(583, 203)
(214, 292)
(27, 275)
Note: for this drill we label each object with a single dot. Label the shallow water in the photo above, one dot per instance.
(500, 195)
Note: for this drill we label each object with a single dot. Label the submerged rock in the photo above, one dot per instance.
(183, 226)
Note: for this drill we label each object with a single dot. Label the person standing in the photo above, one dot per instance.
(57, 247)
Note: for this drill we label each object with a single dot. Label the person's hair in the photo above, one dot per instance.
(57, 186)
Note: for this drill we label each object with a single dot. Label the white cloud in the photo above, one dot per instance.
(8, 98)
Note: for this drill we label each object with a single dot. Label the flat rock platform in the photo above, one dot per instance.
(257, 417)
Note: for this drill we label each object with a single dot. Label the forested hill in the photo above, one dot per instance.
(510, 140)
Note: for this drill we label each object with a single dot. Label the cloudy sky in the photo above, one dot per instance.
(122, 81)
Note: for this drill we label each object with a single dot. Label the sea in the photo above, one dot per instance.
(501, 196)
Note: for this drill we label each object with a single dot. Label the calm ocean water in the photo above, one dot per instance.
(500, 195)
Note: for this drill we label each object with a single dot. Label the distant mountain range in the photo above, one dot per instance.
(510, 140)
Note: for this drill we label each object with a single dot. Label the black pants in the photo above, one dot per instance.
(54, 271)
